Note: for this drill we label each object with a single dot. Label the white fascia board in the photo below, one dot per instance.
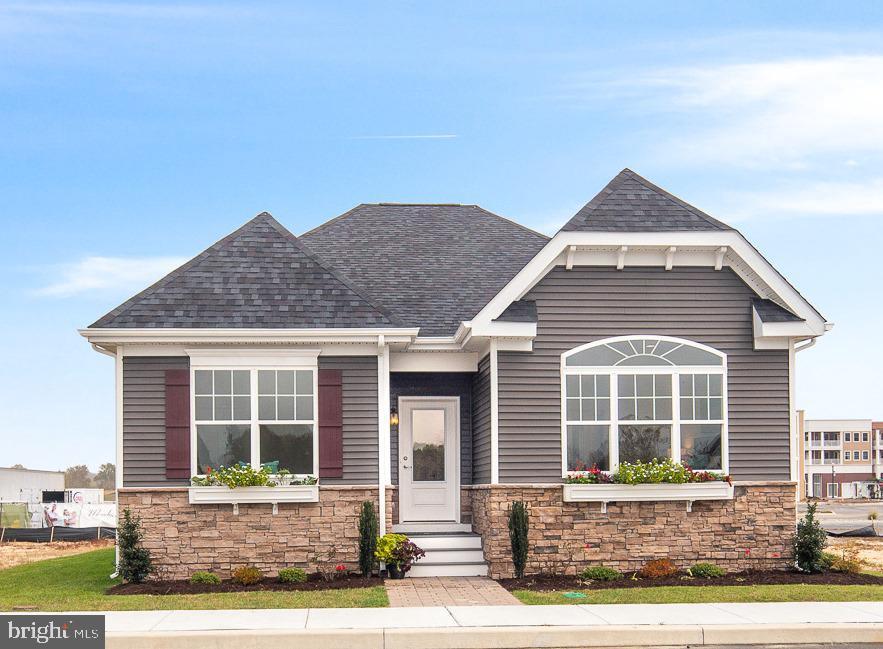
(741, 256)
(435, 344)
(778, 335)
(433, 361)
(498, 329)
(253, 357)
(116, 336)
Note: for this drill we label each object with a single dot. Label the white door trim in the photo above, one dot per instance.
(455, 473)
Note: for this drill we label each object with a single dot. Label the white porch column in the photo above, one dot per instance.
(384, 471)
(495, 416)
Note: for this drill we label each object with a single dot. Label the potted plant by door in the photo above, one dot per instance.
(398, 552)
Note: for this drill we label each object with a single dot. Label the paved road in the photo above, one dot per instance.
(842, 516)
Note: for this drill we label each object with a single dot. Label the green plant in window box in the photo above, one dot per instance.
(244, 475)
(654, 472)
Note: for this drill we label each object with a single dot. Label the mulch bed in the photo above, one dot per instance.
(749, 578)
(182, 587)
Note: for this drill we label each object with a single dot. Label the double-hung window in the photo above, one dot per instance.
(262, 416)
(633, 399)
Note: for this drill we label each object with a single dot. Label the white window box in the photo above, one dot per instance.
(605, 493)
(270, 495)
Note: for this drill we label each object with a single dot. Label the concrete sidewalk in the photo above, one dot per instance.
(503, 627)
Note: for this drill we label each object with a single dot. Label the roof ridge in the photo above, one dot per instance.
(515, 223)
(343, 279)
(172, 274)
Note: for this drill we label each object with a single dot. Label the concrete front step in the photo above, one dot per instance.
(424, 569)
(430, 528)
(457, 554)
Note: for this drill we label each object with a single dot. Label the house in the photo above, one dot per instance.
(841, 458)
(27, 485)
(443, 362)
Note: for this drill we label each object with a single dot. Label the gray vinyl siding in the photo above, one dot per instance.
(435, 384)
(144, 419)
(359, 374)
(144, 407)
(590, 303)
(481, 423)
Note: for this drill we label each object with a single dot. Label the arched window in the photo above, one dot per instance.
(635, 398)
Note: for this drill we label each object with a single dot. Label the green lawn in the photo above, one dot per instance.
(702, 594)
(78, 583)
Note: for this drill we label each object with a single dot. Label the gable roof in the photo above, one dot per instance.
(431, 266)
(630, 203)
(260, 276)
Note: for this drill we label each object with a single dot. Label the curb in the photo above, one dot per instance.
(526, 637)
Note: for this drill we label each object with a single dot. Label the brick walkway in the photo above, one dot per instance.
(447, 591)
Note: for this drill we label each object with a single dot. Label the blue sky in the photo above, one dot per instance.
(132, 136)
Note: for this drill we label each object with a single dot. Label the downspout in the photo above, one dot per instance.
(797, 453)
(118, 367)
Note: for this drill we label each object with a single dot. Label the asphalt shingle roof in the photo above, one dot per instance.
(520, 311)
(431, 266)
(630, 203)
(260, 276)
(769, 311)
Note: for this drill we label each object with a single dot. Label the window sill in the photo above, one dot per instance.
(605, 493)
(241, 495)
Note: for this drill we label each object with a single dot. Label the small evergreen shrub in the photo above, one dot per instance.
(809, 542)
(367, 538)
(518, 527)
(292, 576)
(600, 573)
(707, 571)
(247, 575)
(135, 563)
(204, 577)
(658, 568)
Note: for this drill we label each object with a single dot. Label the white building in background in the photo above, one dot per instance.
(841, 458)
(27, 485)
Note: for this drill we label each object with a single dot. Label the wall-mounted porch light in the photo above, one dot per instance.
(393, 417)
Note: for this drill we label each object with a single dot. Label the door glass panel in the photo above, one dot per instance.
(428, 445)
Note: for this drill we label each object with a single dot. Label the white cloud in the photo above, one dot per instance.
(818, 199)
(784, 112)
(109, 274)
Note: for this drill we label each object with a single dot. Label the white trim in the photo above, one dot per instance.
(504, 329)
(245, 335)
(271, 495)
(433, 361)
(495, 414)
(384, 470)
(793, 429)
(675, 422)
(248, 358)
(670, 257)
(118, 383)
(740, 256)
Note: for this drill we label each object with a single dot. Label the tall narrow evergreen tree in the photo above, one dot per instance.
(367, 538)
(135, 564)
(810, 542)
(518, 527)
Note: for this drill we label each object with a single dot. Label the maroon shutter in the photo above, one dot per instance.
(177, 424)
(330, 424)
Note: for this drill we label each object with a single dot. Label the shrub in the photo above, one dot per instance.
(247, 575)
(292, 576)
(827, 560)
(707, 570)
(872, 516)
(847, 561)
(809, 542)
(518, 526)
(601, 573)
(398, 550)
(658, 568)
(367, 538)
(135, 563)
(204, 577)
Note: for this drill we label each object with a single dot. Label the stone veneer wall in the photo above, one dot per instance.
(753, 530)
(183, 538)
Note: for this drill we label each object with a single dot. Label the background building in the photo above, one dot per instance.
(841, 458)
(27, 485)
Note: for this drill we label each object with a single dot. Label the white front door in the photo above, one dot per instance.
(429, 459)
